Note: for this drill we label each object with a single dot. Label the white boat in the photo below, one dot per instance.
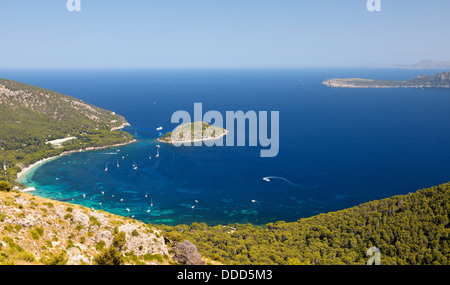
(160, 128)
(134, 165)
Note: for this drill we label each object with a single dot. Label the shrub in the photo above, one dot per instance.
(36, 233)
(94, 221)
(100, 245)
(26, 256)
(157, 257)
(112, 255)
(5, 186)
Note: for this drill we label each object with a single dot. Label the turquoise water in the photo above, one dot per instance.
(338, 147)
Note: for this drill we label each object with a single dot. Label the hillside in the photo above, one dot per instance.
(431, 64)
(407, 229)
(31, 116)
(440, 80)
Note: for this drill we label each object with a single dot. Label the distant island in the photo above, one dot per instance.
(191, 132)
(440, 80)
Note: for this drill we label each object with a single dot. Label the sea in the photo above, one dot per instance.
(338, 148)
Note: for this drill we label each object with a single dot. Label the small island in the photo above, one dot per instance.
(440, 80)
(192, 132)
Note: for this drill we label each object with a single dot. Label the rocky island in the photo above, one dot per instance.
(440, 80)
(37, 124)
(192, 132)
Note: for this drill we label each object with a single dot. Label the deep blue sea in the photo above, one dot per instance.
(338, 147)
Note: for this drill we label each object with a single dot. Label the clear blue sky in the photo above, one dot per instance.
(221, 33)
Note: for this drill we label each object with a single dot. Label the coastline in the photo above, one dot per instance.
(120, 127)
(23, 171)
(198, 140)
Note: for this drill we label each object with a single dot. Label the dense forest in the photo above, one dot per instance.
(407, 229)
(31, 116)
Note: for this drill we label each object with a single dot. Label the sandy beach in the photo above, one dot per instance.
(42, 161)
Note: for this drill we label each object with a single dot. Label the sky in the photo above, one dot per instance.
(148, 34)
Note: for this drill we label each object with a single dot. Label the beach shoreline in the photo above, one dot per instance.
(23, 171)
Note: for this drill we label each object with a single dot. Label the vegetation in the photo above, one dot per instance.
(29, 235)
(407, 229)
(30, 117)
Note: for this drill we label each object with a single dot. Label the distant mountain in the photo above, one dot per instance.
(440, 80)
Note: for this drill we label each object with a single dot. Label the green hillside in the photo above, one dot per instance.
(31, 116)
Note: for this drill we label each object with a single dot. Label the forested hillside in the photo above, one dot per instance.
(31, 116)
(407, 229)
